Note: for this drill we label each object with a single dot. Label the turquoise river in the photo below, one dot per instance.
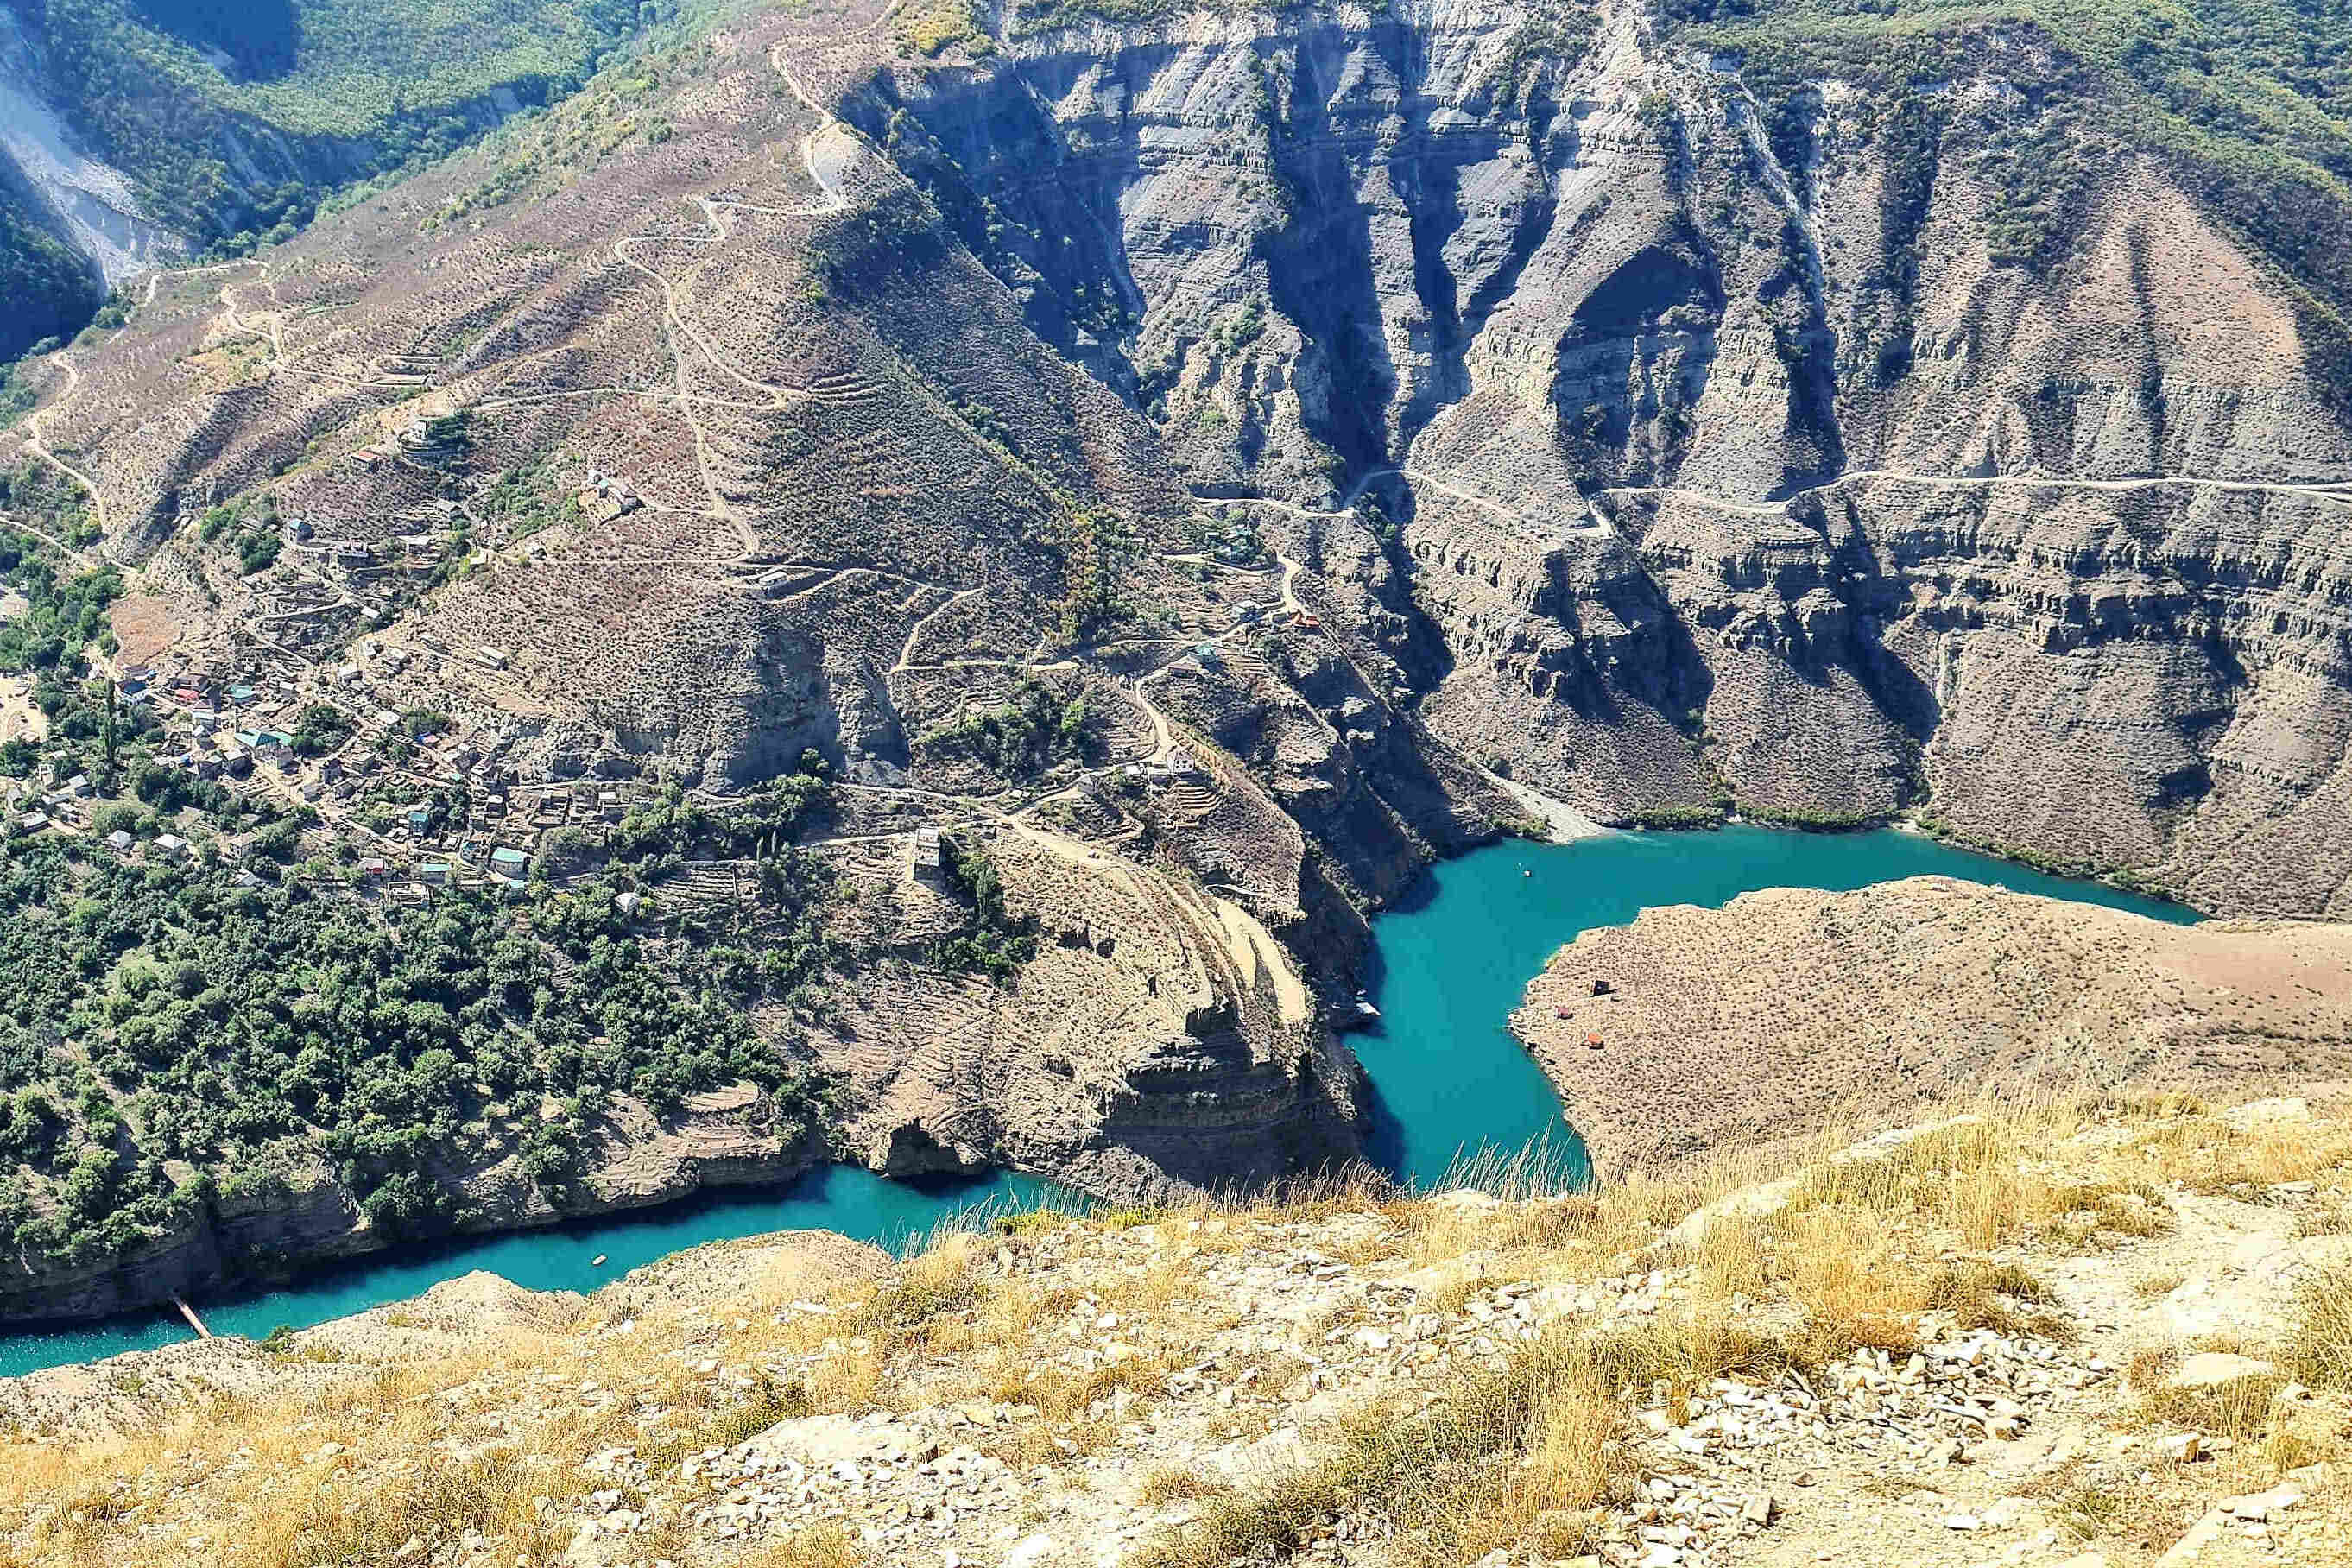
(1448, 1078)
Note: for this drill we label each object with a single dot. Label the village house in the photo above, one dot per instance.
(930, 863)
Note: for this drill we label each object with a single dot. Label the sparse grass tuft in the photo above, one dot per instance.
(2320, 1350)
(820, 1546)
(1166, 1486)
(2239, 1408)
(937, 1283)
(441, 1497)
(1983, 1295)
(1472, 1469)
(767, 1405)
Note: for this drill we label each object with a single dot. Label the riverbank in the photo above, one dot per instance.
(1695, 1030)
(1453, 1084)
(843, 1199)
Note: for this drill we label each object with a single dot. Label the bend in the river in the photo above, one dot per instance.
(1449, 1078)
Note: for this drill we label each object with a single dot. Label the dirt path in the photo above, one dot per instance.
(37, 443)
(2340, 492)
(907, 651)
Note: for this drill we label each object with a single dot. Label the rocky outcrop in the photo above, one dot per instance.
(1160, 1043)
(263, 1227)
(1705, 501)
(1693, 1030)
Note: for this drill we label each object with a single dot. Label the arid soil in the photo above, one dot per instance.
(2092, 1338)
(1790, 1009)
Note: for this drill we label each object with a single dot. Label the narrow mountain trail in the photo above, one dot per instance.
(2340, 492)
(907, 652)
(36, 442)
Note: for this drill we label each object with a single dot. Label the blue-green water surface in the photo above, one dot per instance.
(1455, 955)
(1449, 1077)
(832, 1197)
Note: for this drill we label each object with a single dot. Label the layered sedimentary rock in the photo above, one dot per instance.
(1161, 1040)
(1636, 461)
(1721, 478)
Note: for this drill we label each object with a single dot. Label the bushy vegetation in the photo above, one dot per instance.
(527, 500)
(1554, 39)
(659, 832)
(67, 612)
(1032, 730)
(322, 728)
(51, 502)
(1098, 549)
(166, 1013)
(50, 289)
(1044, 16)
(867, 247)
(1675, 816)
(251, 529)
(935, 26)
(990, 941)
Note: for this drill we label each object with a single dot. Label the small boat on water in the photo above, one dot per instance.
(598, 1261)
(1365, 1009)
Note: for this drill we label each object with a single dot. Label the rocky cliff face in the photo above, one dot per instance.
(260, 1230)
(1663, 446)
(1733, 464)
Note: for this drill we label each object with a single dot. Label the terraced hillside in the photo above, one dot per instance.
(622, 468)
(1215, 462)
(1670, 432)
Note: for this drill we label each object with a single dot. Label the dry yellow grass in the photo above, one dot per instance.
(2321, 1354)
(1863, 1250)
(1491, 1454)
(823, 1546)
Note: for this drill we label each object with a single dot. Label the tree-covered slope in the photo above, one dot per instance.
(231, 121)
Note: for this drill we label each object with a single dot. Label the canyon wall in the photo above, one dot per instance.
(1720, 478)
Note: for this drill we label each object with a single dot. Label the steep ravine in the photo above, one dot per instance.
(1576, 296)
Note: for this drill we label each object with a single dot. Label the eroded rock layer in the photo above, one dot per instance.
(1721, 478)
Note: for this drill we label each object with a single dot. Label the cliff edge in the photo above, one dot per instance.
(2081, 1334)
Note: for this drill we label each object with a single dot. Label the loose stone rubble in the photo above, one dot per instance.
(1079, 1390)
